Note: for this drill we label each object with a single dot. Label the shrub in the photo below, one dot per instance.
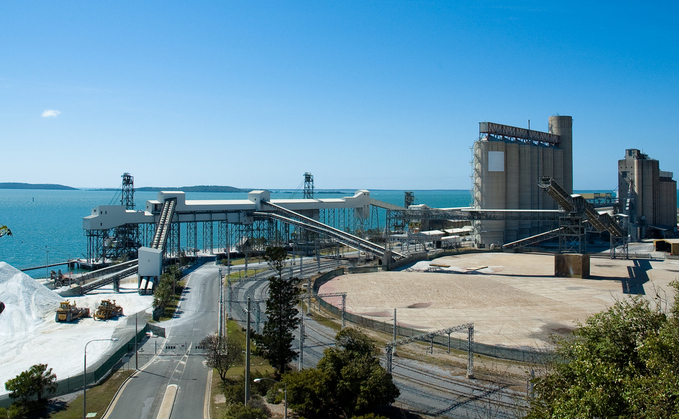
(240, 411)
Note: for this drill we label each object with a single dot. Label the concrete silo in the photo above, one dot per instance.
(508, 164)
(647, 195)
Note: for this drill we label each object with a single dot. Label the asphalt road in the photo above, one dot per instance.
(424, 388)
(176, 361)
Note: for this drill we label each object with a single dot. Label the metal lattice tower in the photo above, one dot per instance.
(308, 186)
(409, 199)
(126, 237)
(127, 198)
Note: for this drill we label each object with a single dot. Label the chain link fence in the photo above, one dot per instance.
(112, 360)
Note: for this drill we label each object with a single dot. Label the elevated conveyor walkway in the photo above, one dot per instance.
(101, 277)
(385, 205)
(163, 228)
(294, 218)
(109, 278)
(529, 241)
(576, 203)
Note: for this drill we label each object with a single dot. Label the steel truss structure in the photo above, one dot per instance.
(619, 247)
(190, 236)
(309, 296)
(121, 242)
(308, 186)
(578, 212)
(572, 234)
(389, 348)
(509, 133)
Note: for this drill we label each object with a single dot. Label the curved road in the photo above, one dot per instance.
(178, 361)
(424, 388)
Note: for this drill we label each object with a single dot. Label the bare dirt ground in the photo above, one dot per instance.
(513, 299)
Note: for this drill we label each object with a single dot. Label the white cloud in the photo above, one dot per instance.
(50, 113)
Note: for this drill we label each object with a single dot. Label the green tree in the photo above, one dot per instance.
(275, 257)
(348, 381)
(222, 354)
(36, 381)
(308, 391)
(276, 339)
(162, 295)
(623, 362)
(165, 290)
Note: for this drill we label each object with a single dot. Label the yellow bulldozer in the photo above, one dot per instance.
(107, 310)
(68, 312)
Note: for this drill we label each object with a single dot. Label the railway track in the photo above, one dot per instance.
(423, 389)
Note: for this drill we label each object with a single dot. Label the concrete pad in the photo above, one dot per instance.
(515, 300)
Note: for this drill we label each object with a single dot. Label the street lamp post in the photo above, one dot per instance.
(85, 373)
(285, 392)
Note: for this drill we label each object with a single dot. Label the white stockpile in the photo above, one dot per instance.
(27, 303)
(29, 335)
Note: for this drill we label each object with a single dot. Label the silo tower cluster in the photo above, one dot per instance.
(508, 163)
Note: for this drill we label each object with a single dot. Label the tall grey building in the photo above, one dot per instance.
(508, 164)
(647, 195)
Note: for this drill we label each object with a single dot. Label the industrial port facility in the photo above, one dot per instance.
(522, 195)
(442, 269)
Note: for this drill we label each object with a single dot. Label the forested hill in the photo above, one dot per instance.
(200, 188)
(17, 185)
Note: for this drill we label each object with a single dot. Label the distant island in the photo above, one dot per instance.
(199, 188)
(50, 186)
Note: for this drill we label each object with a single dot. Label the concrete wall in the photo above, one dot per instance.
(571, 265)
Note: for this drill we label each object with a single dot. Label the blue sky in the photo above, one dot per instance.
(363, 94)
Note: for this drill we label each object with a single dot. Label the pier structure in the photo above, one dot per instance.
(238, 225)
(174, 225)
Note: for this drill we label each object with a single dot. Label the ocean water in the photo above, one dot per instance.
(47, 224)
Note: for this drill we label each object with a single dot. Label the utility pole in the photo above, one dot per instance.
(228, 251)
(394, 339)
(228, 280)
(136, 348)
(301, 343)
(318, 256)
(308, 290)
(247, 357)
(221, 306)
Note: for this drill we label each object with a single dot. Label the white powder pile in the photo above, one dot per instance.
(27, 303)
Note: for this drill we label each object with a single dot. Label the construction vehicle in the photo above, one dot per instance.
(107, 310)
(68, 312)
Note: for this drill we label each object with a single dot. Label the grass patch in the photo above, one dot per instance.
(246, 274)
(234, 376)
(331, 322)
(98, 398)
